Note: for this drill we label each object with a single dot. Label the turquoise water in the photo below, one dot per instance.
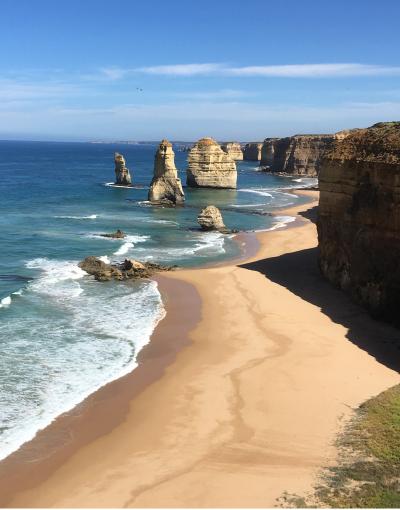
(63, 335)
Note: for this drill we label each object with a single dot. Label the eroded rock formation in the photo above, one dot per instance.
(210, 167)
(210, 218)
(234, 149)
(252, 151)
(165, 187)
(129, 269)
(300, 154)
(359, 217)
(122, 175)
(268, 152)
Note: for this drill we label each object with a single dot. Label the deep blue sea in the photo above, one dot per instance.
(62, 334)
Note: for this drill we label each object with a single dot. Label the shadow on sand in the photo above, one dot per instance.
(299, 273)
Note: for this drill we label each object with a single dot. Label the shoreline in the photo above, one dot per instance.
(107, 406)
(127, 407)
(70, 426)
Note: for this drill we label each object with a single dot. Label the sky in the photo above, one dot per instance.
(234, 70)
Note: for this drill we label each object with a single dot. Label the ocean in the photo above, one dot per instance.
(62, 334)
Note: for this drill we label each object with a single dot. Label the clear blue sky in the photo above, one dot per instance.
(126, 69)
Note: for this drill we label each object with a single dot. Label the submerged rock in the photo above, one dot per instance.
(129, 269)
(122, 175)
(359, 217)
(166, 187)
(118, 234)
(210, 218)
(210, 167)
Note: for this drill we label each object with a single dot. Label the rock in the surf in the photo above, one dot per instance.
(210, 218)
(129, 269)
(122, 175)
(166, 187)
(118, 234)
(100, 269)
(210, 167)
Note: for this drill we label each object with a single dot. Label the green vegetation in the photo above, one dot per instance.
(368, 474)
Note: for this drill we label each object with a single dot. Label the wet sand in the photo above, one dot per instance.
(243, 390)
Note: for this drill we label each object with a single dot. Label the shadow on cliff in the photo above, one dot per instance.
(310, 214)
(299, 273)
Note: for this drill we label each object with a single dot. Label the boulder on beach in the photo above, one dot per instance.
(122, 175)
(166, 187)
(210, 218)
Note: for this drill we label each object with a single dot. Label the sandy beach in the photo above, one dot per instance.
(238, 398)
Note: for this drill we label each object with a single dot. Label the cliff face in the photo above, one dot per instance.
(300, 154)
(359, 217)
(166, 186)
(252, 151)
(268, 152)
(234, 150)
(122, 175)
(210, 167)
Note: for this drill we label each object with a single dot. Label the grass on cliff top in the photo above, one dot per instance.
(368, 474)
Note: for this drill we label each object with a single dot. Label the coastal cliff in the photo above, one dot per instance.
(234, 149)
(252, 151)
(210, 167)
(298, 155)
(165, 186)
(359, 217)
(268, 152)
(122, 175)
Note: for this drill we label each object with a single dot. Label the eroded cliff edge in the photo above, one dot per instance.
(359, 217)
(297, 155)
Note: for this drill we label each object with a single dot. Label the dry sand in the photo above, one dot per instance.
(251, 406)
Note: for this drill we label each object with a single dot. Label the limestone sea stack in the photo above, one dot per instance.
(252, 151)
(234, 149)
(122, 175)
(359, 217)
(165, 187)
(210, 218)
(210, 167)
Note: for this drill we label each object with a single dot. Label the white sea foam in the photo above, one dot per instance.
(239, 206)
(124, 248)
(5, 302)
(90, 217)
(70, 351)
(282, 221)
(259, 191)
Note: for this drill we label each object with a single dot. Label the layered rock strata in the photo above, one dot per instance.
(165, 187)
(129, 269)
(122, 175)
(359, 217)
(252, 151)
(210, 167)
(210, 218)
(234, 150)
(268, 152)
(300, 154)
